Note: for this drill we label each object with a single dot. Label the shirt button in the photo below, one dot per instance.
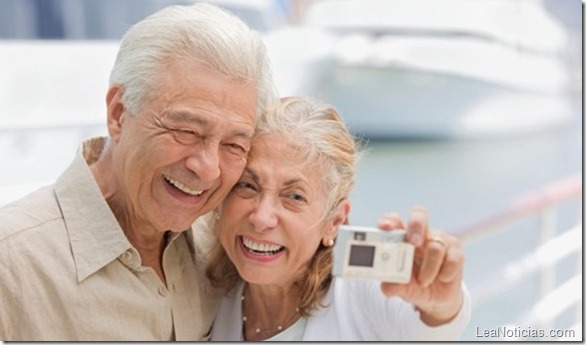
(162, 291)
(127, 256)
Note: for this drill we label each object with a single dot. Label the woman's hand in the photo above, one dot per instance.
(435, 287)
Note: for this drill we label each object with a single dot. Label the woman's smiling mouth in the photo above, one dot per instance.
(260, 249)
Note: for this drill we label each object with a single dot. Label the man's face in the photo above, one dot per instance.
(182, 154)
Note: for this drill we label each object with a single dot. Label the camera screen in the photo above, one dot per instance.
(361, 255)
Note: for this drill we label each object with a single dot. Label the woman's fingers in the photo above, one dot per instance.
(391, 221)
(453, 262)
(442, 259)
(434, 252)
(417, 227)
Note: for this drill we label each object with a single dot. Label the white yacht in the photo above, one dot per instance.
(431, 68)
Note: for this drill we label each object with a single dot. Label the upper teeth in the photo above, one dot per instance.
(260, 247)
(183, 187)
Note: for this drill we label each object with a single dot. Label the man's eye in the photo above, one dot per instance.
(185, 136)
(237, 148)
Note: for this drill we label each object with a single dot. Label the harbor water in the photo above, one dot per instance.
(462, 182)
(47, 110)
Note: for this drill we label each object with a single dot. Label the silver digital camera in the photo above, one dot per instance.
(371, 253)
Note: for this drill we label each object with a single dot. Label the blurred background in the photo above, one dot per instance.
(472, 108)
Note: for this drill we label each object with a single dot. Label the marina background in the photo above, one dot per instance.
(461, 180)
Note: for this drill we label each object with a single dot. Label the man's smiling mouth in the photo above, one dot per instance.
(177, 184)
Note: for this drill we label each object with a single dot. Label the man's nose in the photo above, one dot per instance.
(205, 163)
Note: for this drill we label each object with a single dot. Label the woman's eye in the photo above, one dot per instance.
(245, 189)
(297, 197)
(243, 185)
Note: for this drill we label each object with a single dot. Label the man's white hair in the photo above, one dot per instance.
(199, 32)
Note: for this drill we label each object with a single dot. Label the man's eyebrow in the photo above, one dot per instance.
(195, 119)
(246, 134)
(183, 116)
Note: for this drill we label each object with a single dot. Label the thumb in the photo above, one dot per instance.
(393, 289)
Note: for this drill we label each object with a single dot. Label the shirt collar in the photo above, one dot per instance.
(95, 236)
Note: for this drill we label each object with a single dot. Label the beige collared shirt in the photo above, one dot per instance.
(67, 271)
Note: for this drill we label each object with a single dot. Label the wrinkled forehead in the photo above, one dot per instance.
(285, 151)
(277, 147)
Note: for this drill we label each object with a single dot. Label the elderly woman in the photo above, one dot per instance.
(277, 228)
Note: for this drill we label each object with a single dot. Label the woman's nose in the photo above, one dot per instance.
(264, 216)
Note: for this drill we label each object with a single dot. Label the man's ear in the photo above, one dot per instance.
(340, 218)
(116, 111)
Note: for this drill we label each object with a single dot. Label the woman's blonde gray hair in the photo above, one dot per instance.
(326, 144)
(201, 32)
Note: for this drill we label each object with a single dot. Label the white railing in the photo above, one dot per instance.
(38, 152)
(553, 246)
(77, 125)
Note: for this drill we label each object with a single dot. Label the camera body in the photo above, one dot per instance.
(371, 253)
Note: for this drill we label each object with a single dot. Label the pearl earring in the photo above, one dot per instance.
(330, 242)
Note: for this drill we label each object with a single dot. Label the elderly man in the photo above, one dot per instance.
(103, 254)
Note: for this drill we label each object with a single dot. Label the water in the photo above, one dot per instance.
(460, 182)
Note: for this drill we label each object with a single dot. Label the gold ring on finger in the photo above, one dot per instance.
(438, 240)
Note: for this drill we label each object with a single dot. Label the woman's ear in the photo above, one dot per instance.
(115, 109)
(339, 218)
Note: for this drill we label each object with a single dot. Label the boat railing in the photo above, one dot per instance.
(554, 297)
(49, 144)
(75, 125)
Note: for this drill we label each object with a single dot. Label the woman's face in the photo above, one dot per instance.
(272, 220)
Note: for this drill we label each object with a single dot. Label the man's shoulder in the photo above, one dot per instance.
(30, 212)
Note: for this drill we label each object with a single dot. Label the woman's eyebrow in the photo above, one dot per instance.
(293, 181)
(252, 174)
